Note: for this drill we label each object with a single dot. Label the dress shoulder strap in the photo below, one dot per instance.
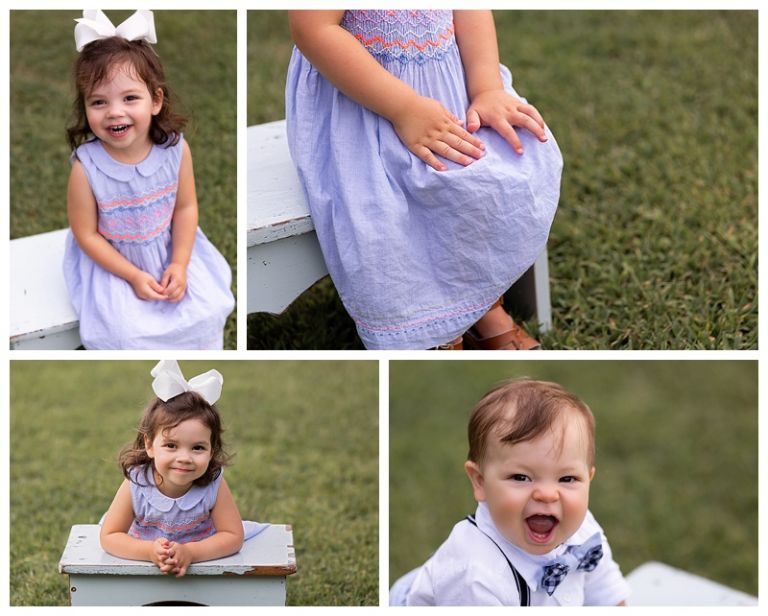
(522, 586)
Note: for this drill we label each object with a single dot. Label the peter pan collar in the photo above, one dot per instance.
(164, 503)
(122, 172)
(529, 565)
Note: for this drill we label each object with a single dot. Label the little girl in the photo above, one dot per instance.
(428, 204)
(140, 272)
(174, 507)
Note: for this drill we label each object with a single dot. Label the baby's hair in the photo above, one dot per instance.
(520, 410)
(96, 62)
(160, 416)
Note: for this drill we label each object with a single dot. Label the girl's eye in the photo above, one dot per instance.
(96, 103)
(132, 97)
(199, 448)
(171, 445)
(569, 479)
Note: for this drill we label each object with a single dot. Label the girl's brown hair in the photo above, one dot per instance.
(96, 62)
(519, 410)
(160, 416)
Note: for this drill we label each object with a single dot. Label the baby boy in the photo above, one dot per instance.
(532, 540)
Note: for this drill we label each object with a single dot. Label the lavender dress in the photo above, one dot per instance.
(135, 209)
(183, 520)
(417, 255)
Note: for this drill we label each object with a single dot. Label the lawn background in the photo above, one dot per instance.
(655, 242)
(305, 438)
(677, 447)
(198, 50)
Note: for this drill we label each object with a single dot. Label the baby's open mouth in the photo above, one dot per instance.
(541, 526)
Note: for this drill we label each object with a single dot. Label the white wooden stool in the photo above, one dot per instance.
(42, 316)
(654, 583)
(284, 258)
(254, 576)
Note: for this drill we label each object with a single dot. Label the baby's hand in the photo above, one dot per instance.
(180, 558)
(427, 128)
(501, 111)
(174, 282)
(146, 287)
(160, 553)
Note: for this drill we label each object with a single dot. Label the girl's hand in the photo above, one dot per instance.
(502, 111)
(174, 282)
(160, 552)
(146, 287)
(180, 558)
(427, 128)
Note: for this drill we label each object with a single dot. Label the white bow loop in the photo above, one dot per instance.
(95, 25)
(170, 382)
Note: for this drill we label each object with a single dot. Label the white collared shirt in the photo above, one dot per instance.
(468, 569)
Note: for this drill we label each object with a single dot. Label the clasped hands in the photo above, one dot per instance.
(427, 128)
(171, 557)
(171, 287)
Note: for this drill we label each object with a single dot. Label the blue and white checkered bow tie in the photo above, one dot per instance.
(582, 557)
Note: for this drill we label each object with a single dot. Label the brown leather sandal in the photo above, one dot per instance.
(513, 339)
(457, 344)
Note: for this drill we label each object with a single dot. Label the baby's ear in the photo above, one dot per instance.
(475, 475)
(591, 473)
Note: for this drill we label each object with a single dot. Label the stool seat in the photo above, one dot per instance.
(256, 575)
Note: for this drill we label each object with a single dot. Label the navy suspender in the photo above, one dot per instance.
(522, 586)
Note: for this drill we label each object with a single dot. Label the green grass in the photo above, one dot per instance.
(198, 49)
(676, 464)
(655, 242)
(305, 438)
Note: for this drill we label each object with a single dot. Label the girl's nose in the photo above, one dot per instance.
(114, 111)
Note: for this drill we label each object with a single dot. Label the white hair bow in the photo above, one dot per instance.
(170, 382)
(95, 25)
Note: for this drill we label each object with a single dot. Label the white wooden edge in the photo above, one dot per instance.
(654, 583)
(42, 316)
(276, 204)
(270, 553)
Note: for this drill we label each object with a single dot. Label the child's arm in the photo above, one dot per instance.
(490, 104)
(114, 535)
(227, 540)
(174, 279)
(83, 220)
(424, 125)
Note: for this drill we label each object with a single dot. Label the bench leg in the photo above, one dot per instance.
(278, 272)
(529, 296)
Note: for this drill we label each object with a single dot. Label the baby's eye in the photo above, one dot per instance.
(569, 479)
(519, 477)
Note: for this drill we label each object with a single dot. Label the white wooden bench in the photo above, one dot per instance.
(284, 258)
(655, 583)
(254, 576)
(42, 316)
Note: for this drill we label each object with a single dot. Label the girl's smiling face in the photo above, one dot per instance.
(119, 110)
(537, 491)
(181, 455)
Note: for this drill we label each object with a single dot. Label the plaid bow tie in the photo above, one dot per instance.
(584, 557)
